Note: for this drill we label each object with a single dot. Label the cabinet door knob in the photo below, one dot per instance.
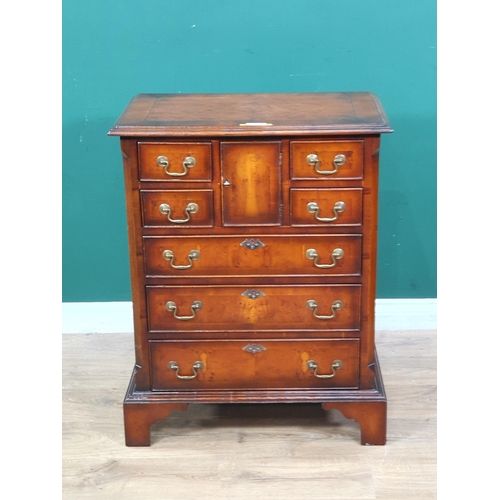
(311, 253)
(189, 162)
(312, 365)
(169, 255)
(191, 208)
(172, 307)
(197, 365)
(313, 208)
(338, 161)
(313, 305)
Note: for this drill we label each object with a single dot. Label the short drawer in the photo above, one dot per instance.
(261, 255)
(253, 307)
(326, 207)
(255, 364)
(175, 161)
(326, 160)
(178, 208)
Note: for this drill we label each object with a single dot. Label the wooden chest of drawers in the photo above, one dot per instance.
(252, 225)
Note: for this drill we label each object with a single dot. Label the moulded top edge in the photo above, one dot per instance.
(179, 115)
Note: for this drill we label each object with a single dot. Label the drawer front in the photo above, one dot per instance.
(261, 255)
(178, 208)
(246, 308)
(175, 161)
(326, 160)
(255, 364)
(326, 207)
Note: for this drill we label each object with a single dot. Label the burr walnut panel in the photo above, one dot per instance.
(260, 255)
(255, 363)
(251, 183)
(326, 207)
(175, 161)
(326, 160)
(177, 208)
(253, 307)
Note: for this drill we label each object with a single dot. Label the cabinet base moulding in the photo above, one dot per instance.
(368, 407)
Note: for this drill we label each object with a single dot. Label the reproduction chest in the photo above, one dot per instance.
(252, 223)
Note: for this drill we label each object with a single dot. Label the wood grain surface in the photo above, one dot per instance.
(229, 308)
(276, 256)
(241, 451)
(180, 115)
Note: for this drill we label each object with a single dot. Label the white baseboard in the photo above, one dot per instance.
(406, 314)
(116, 317)
(97, 317)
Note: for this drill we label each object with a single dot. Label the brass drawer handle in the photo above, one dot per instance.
(311, 253)
(336, 306)
(172, 307)
(189, 162)
(169, 255)
(338, 161)
(191, 208)
(336, 365)
(198, 365)
(313, 208)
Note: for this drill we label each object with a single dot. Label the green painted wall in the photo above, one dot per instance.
(113, 50)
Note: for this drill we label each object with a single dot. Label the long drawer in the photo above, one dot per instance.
(254, 364)
(246, 308)
(261, 255)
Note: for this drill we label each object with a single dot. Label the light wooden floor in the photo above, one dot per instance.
(247, 451)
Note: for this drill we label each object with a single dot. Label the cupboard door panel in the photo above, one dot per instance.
(251, 183)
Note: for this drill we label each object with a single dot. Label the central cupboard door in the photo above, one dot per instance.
(251, 194)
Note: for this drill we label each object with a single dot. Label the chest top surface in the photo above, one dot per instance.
(179, 115)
